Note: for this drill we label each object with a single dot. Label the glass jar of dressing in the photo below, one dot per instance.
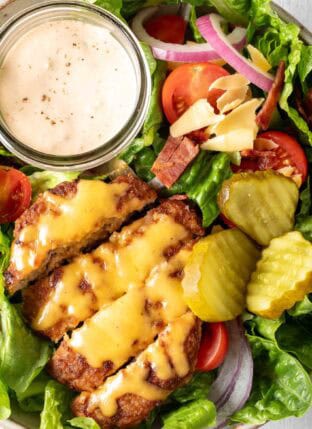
(74, 85)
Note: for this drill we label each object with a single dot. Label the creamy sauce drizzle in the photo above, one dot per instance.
(131, 323)
(68, 220)
(124, 262)
(167, 358)
(67, 87)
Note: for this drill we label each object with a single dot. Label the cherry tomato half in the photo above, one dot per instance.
(187, 84)
(15, 194)
(167, 28)
(214, 346)
(288, 153)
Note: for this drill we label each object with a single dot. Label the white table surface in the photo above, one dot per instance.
(302, 10)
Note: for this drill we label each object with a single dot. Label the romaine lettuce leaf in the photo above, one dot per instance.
(202, 181)
(83, 423)
(113, 6)
(301, 308)
(5, 408)
(295, 337)
(32, 399)
(304, 217)
(305, 67)
(197, 388)
(281, 386)
(154, 116)
(4, 253)
(43, 180)
(56, 409)
(23, 355)
(280, 41)
(235, 11)
(194, 415)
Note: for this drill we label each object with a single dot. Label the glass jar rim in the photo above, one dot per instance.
(129, 131)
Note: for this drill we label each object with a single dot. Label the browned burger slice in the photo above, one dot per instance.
(127, 398)
(68, 218)
(122, 330)
(73, 293)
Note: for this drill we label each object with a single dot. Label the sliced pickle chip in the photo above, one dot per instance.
(217, 273)
(262, 204)
(283, 276)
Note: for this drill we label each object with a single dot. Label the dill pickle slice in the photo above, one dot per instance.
(283, 276)
(262, 204)
(217, 273)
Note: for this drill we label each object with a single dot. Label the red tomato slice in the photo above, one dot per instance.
(167, 28)
(187, 84)
(288, 153)
(15, 194)
(214, 346)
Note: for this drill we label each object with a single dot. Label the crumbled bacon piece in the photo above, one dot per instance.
(173, 159)
(265, 115)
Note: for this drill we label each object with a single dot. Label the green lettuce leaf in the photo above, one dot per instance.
(235, 11)
(84, 423)
(32, 399)
(23, 355)
(202, 181)
(295, 336)
(154, 116)
(304, 216)
(305, 67)
(197, 388)
(196, 33)
(43, 180)
(56, 409)
(5, 243)
(113, 6)
(278, 41)
(264, 327)
(4, 152)
(194, 415)
(5, 408)
(281, 386)
(151, 61)
(301, 308)
(143, 164)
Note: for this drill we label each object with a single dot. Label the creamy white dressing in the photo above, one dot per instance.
(67, 87)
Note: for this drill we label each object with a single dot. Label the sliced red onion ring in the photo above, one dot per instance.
(232, 387)
(242, 388)
(223, 386)
(210, 28)
(200, 52)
